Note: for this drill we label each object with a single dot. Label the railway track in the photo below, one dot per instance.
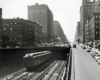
(11, 76)
(54, 73)
(23, 74)
(58, 73)
(40, 74)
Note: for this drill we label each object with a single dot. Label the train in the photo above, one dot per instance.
(32, 60)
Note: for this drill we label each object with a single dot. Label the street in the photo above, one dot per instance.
(86, 68)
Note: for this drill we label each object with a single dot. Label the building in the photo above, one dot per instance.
(43, 16)
(86, 11)
(0, 18)
(87, 31)
(95, 27)
(78, 32)
(20, 32)
(0, 24)
(92, 28)
(58, 31)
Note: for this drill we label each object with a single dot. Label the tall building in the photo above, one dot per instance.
(43, 16)
(86, 11)
(78, 31)
(0, 24)
(58, 31)
(0, 17)
(92, 28)
(94, 25)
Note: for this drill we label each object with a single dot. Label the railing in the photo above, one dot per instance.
(70, 72)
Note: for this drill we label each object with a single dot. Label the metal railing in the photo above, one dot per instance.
(70, 71)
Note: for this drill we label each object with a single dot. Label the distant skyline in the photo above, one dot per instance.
(66, 12)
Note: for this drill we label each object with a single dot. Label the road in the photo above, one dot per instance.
(86, 68)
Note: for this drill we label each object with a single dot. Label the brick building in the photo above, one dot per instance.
(21, 32)
(0, 23)
(43, 16)
(93, 28)
(86, 11)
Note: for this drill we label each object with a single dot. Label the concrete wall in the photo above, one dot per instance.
(7, 55)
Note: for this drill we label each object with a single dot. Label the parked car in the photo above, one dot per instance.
(98, 60)
(74, 45)
(83, 46)
(97, 57)
(88, 49)
(94, 53)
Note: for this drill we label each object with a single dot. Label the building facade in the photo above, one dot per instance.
(58, 31)
(78, 32)
(20, 32)
(86, 11)
(43, 16)
(92, 28)
(0, 24)
(95, 27)
(87, 31)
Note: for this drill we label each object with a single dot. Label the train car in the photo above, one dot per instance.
(28, 58)
(32, 60)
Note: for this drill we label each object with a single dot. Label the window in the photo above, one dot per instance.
(96, 32)
(96, 27)
(10, 29)
(96, 16)
(4, 28)
(91, 0)
(96, 1)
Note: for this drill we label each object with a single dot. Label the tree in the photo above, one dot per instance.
(58, 39)
(78, 40)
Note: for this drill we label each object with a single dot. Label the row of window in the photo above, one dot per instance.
(10, 29)
(97, 33)
(97, 16)
(9, 23)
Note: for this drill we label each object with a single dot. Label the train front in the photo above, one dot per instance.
(26, 61)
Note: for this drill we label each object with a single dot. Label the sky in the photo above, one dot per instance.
(66, 12)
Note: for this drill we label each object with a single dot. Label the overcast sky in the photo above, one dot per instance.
(64, 11)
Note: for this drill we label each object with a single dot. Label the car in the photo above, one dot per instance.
(98, 60)
(88, 49)
(94, 53)
(74, 45)
(97, 57)
(84, 47)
